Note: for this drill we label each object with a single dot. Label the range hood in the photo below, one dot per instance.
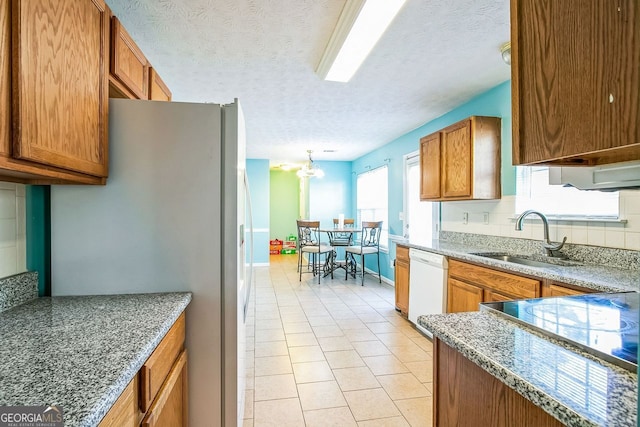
(611, 177)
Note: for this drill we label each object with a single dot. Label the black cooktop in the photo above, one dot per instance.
(605, 325)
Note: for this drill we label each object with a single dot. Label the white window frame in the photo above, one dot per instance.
(530, 195)
(413, 159)
(384, 235)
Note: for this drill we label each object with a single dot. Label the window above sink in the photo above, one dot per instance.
(533, 191)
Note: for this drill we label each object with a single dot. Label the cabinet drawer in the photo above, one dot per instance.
(505, 283)
(402, 253)
(155, 369)
(124, 413)
(554, 289)
(170, 408)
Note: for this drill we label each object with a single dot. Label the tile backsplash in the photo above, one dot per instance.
(13, 248)
(501, 222)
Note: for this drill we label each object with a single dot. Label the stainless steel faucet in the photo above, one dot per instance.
(550, 247)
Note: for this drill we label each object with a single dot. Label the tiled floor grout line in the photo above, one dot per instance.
(281, 292)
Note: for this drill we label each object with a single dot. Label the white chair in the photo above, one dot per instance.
(309, 243)
(369, 244)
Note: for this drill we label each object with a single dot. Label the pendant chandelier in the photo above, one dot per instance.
(309, 170)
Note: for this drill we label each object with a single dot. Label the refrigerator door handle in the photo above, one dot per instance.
(250, 215)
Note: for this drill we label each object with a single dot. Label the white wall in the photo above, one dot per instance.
(502, 223)
(13, 248)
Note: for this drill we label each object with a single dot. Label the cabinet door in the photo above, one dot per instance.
(158, 365)
(557, 290)
(169, 409)
(128, 63)
(575, 81)
(467, 395)
(430, 167)
(463, 296)
(124, 413)
(493, 296)
(5, 80)
(158, 91)
(402, 286)
(456, 160)
(59, 78)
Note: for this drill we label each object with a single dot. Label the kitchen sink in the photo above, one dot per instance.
(530, 260)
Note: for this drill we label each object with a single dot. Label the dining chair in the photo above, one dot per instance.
(369, 244)
(309, 243)
(341, 238)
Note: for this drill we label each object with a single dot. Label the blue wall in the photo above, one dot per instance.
(495, 102)
(332, 194)
(258, 174)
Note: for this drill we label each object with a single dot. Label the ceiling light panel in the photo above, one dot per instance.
(360, 26)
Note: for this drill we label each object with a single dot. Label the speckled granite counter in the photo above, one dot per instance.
(80, 352)
(18, 289)
(572, 386)
(593, 276)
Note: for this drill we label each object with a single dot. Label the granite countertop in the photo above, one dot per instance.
(574, 387)
(599, 277)
(80, 352)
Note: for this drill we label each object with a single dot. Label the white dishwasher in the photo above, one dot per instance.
(427, 285)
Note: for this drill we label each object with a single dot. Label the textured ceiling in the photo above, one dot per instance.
(436, 55)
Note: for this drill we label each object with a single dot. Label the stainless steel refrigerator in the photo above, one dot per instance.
(171, 218)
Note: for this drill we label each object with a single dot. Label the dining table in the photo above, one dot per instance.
(332, 263)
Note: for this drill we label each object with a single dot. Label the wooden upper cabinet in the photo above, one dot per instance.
(575, 81)
(158, 91)
(59, 89)
(456, 161)
(462, 161)
(430, 166)
(5, 79)
(129, 66)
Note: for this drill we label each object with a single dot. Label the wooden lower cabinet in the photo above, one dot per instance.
(467, 395)
(555, 289)
(157, 367)
(157, 395)
(402, 279)
(470, 284)
(125, 412)
(169, 409)
(463, 296)
(494, 296)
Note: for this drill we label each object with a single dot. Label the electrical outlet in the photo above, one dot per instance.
(401, 216)
(485, 217)
(465, 217)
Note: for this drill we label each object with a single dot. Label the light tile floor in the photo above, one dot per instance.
(332, 354)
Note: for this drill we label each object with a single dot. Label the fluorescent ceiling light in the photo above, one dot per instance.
(360, 26)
